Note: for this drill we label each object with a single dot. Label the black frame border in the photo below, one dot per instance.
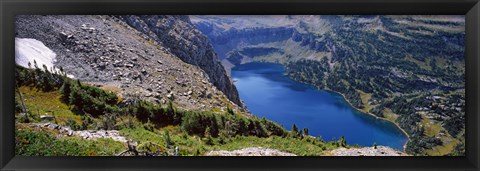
(10, 8)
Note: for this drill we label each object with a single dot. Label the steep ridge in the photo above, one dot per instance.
(107, 52)
(181, 38)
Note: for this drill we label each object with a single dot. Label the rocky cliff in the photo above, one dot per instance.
(181, 38)
(172, 62)
(290, 36)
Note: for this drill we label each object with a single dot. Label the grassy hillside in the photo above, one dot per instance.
(150, 128)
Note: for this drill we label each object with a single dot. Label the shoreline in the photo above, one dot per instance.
(349, 103)
(371, 114)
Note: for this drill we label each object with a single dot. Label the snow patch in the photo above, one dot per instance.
(29, 50)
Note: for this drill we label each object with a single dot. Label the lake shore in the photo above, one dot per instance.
(400, 146)
(371, 114)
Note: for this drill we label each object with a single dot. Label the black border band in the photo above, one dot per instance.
(9, 9)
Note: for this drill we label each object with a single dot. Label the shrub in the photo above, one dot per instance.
(29, 143)
(167, 139)
(87, 122)
(150, 149)
(149, 126)
(197, 122)
(73, 124)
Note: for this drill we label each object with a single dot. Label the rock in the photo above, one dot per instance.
(46, 117)
(367, 151)
(252, 151)
(170, 96)
(52, 126)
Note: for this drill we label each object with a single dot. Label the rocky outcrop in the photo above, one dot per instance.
(367, 151)
(229, 38)
(250, 35)
(245, 55)
(84, 134)
(251, 151)
(181, 38)
(224, 41)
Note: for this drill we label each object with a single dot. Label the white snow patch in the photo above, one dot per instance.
(30, 50)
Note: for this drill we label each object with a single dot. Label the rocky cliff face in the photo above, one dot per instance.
(289, 36)
(172, 62)
(224, 41)
(181, 38)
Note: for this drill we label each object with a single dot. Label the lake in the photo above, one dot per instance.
(269, 93)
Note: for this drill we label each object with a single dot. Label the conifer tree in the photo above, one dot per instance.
(305, 131)
(294, 128)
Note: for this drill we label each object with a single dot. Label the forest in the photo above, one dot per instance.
(411, 80)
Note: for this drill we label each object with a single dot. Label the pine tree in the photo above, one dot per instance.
(305, 131)
(343, 141)
(294, 128)
(66, 89)
(167, 139)
(35, 64)
(79, 83)
(47, 85)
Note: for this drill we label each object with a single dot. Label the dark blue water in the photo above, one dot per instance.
(268, 93)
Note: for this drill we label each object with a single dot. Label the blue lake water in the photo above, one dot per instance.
(269, 93)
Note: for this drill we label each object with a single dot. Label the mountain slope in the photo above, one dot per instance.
(106, 51)
(179, 36)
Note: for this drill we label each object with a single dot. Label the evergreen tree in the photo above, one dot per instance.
(294, 128)
(305, 131)
(35, 64)
(343, 141)
(46, 81)
(66, 90)
(62, 72)
(167, 139)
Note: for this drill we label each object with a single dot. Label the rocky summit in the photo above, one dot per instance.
(135, 57)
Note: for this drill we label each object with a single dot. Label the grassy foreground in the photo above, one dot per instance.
(152, 128)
